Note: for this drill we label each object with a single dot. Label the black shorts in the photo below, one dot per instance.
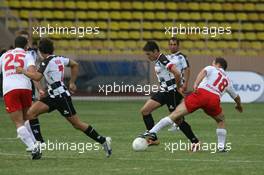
(62, 104)
(171, 99)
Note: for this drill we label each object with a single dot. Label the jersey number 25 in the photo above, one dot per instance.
(12, 59)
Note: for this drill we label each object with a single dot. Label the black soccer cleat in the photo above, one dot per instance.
(151, 138)
(222, 150)
(36, 152)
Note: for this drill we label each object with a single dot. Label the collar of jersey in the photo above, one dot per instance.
(158, 57)
(17, 48)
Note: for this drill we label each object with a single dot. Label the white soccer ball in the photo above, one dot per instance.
(139, 144)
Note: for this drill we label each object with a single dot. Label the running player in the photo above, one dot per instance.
(211, 83)
(169, 77)
(17, 91)
(59, 98)
(33, 124)
(182, 64)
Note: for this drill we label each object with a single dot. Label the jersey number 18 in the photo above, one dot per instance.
(220, 82)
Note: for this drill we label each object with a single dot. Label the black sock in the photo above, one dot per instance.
(187, 130)
(149, 122)
(35, 127)
(90, 131)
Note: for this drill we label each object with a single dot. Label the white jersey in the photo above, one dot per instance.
(53, 70)
(180, 61)
(217, 82)
(165, 77)
(8, 63)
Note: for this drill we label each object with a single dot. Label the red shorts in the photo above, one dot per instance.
(205, 100)
(18, 99)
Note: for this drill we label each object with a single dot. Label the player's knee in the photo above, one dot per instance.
(221, 124)
(179, 121)
(76, 126)
(31, 114)
(145, 111)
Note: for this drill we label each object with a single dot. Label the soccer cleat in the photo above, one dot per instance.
(223, 150)
(42, 145)
(107, 146)
(195, 147)
(36, 152)
(151, 138)
(174, 128)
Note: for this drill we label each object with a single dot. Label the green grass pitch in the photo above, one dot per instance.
(122, 121)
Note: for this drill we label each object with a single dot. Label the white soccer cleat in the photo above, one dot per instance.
(174, 128)
(107, 146)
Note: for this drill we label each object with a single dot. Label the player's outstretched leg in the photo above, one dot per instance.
(176, 116)
(221, 132)
(24, 134)
(146, 110)
(35, 127)
(91, 132)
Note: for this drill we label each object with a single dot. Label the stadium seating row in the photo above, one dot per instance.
(136, 5)
(136, 15)
(138, 25)
(208, 52)
(133, 45)
(124, 24)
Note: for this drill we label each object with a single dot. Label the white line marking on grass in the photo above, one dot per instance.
(6, 138)
(128, 159)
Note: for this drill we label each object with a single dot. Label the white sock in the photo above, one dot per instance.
(27, 125)
(221, 135)
(161, 124)
(24, 135)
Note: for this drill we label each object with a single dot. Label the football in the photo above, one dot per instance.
(139, 144)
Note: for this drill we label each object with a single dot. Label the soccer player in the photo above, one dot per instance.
(182, 64)
(33, 124)
(17, 91)
(170, 82)
(211, 83)
(59, 98)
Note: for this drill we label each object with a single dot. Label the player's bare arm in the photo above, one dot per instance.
(238, 107)
(177, 75)
(40, 89)
(186, 73)
(74, 73)
(30, 73)
(199, 78)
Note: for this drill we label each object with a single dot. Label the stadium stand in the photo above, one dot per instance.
(127, 23)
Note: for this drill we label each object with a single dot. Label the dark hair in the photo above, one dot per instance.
(46, 46)
(176, 40)
(21, 42)
(3, 50)
(22, 32)
(222, 62)
(151, 46)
